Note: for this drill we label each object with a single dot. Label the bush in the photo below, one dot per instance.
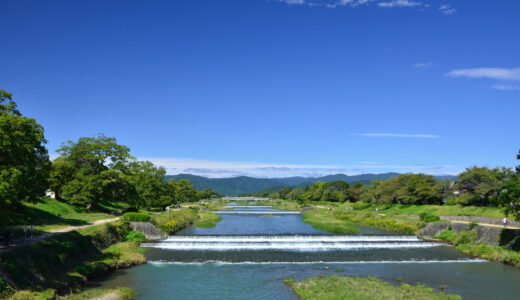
(428, 218)
(170, 227)
(136, 217)
(463, 238)
(447, 235)
(135, 236)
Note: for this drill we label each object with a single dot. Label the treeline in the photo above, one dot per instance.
(88, 172)
(479, 186)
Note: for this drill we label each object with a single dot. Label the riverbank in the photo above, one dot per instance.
(357, 288)
(54, 268)
(328, 220)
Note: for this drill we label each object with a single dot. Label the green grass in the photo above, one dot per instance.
(45, 216)
(357, 288)
(285, 205)
(439, 210)
(386, 222)
(489, 252)
(122, 293)
(464, 242)
(326, 220)
(207, 219)
(65, 262)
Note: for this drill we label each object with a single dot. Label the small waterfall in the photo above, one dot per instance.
(255, 212)
(289, 243)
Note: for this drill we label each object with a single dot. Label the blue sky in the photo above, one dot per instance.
(273, 88)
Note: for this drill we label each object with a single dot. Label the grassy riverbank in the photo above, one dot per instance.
(176, 220)
(64, 263)
(327, 220)
(464, 241)
(392, 223)
(357, 288)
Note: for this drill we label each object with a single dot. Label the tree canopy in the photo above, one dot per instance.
(24, 160)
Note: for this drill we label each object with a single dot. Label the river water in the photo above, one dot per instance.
(248, 255)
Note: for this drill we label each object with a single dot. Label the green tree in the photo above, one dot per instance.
(518, 167)
(24, 160)
(480, 185)
(509, 195)
(185, 191)
(91, 170)
(145, 182)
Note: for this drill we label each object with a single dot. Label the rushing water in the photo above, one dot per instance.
(247, 256)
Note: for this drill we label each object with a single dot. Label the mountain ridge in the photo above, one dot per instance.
(245, 184)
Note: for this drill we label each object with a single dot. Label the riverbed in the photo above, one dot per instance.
(247, 256)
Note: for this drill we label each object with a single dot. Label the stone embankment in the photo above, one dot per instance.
(149, 230)
(484, 234)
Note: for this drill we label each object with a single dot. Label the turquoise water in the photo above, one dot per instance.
(249, 256)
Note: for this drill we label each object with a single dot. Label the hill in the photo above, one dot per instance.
(245, 184)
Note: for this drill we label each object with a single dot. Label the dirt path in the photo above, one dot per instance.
(53, 232)
(489, 225)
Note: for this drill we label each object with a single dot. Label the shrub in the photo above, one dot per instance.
(463, 238)
(135, 236)
(428, 218)
(447, 235)
(170, 227)
(136, 217)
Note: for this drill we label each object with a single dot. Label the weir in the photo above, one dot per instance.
(289, 243)
(255, 212)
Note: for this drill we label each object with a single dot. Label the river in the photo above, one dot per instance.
(247, 256)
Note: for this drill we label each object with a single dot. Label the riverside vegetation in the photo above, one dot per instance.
(356, 288)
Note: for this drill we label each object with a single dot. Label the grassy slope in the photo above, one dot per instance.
(488, 252)
(207, 219)
(45, 216)
(57, 264)
(326, 220)
(357, 288)
(440, 210)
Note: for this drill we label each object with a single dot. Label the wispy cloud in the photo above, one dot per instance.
(399, 135)
(506, 87)
(498, 74)
(423, 65)
(293, 2)
(489, 73)
(447, 9)
(221, 169)
(399, 3)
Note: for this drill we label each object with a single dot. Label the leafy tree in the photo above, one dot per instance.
(91, 170)
(24, 160)
(509, 195)
(185, 191)
(480, 185)
(145, 181)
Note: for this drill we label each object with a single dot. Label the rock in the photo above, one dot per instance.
(149, 230)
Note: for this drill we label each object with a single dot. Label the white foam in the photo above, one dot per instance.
(293, 239)
(255, 212)
(217, 262)
(287, 246)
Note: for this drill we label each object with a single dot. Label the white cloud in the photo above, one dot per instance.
(447, 9)
(423, 65)
(506, 87)
(489, 73)
(399, 3)
(220, 169)
(399, 135)
(293, 2)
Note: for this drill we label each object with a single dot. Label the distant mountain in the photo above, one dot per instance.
(245, 184)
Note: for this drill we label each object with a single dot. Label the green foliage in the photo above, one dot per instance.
(133, 236)
(326, 220)
(489, 252)
(447, 235)
(136, 217)
(509, 195)
(357, 288)
(24, 161)
(170, 227)
(428, 218)
(480, 185)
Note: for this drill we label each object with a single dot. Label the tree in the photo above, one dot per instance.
(480, 185)
(91, 170)
(24, 160)
(145, 182)
(509, 195)
(185, 191)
